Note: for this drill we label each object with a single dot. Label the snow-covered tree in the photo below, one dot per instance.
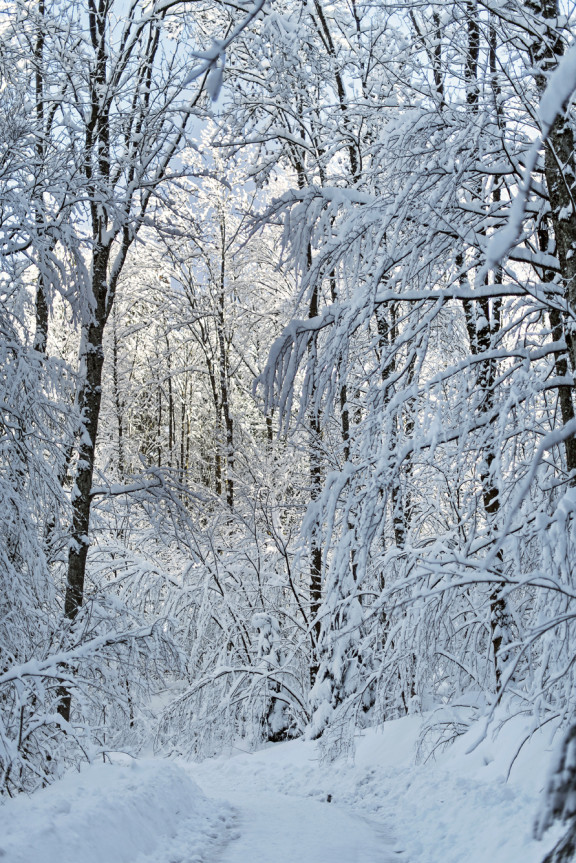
(103, 99)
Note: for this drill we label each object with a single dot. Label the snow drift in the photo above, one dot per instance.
(110, 813)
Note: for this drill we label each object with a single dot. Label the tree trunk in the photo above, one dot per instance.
(41, 332)
(560, 173)
(481, 331)
(561, 359)
(316, 482)
(480, 342)
(118, 405)
(89, 402)
(171, 422)
(224, 376)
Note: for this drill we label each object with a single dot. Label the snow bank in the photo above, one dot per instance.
(110, 813)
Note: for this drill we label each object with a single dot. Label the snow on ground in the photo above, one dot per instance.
(274, 828)
(132, 813)
(456, 808)
(283, 805)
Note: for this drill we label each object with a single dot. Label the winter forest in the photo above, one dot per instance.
(288, 342)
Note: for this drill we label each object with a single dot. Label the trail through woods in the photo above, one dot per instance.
(284, 804)
(274, 827)
(156, 812)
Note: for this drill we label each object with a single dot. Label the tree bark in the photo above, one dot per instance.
(316, 482)
(223, 363)
(41, 332)
(119, 407)
(89, 402)
(560, 173)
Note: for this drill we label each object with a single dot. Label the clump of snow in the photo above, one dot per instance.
(116, 813)
(560, 87)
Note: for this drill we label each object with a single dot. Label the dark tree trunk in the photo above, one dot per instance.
(561, 359)
(41, 332)
(224, 375)
(560, 172)
(118, 405)
(481, 336)
(89, 403)
(316, 482)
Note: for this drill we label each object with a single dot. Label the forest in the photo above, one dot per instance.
(288, 340)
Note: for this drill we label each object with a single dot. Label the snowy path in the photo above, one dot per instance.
(158, 811)
(270, 806)
(274, 828)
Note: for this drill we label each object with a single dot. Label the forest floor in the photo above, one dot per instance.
(283, 804)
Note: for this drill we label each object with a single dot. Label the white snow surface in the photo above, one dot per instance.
(284, 805)
(116, 813)
(455, 807)
(275, 828)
